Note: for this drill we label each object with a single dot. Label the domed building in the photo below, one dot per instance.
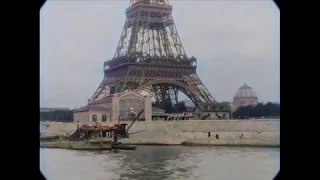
(245, 96)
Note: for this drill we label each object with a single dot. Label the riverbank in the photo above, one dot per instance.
(251, 141)
(263, 133)
(83, 145)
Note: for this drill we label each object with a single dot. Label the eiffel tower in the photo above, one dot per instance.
(150, 57)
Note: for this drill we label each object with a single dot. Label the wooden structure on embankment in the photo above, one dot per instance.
(103, 133)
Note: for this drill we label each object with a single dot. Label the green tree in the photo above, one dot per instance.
(260, 110)
(169, 107)
(180, 107)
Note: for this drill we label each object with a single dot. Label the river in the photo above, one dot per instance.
(162, 162)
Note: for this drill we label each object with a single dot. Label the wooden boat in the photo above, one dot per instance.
(97, 141)
(123, 147)
(93, 148)
(49, 138)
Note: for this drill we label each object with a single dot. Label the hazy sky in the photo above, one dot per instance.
(234, 42)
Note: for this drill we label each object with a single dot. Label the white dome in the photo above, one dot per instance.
(245, 91)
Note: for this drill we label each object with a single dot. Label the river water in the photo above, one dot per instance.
(162, 162)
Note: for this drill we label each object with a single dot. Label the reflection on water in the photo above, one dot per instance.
(162, 162)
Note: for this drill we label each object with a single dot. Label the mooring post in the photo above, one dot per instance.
(101, 140)
(115, 138)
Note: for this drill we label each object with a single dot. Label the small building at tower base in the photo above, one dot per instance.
(120, 106)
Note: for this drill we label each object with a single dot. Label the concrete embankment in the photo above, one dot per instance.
(229, 132)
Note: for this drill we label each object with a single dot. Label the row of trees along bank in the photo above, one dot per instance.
(181, 107)
(57, 115)
(260, 110)
(169, 107)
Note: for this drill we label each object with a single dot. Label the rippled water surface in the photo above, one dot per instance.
(162, 162)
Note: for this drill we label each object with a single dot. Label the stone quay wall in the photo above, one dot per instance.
(195, 132)
(230, 132)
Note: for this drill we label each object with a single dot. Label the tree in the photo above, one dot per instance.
(260, 110)
(165, 105)
(169, 107)
(180, 107)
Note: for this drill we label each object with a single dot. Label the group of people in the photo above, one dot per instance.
(217, 136)
(209, 135)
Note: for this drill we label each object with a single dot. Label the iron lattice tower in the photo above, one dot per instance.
(150, 57)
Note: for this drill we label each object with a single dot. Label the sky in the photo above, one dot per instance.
(233, 41)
